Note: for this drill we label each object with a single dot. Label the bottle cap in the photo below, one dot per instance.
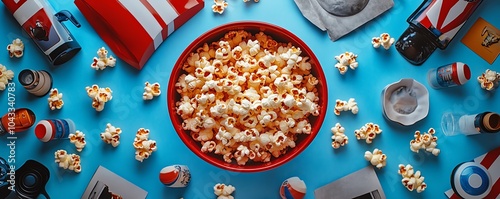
(44, 130)
(491, 122)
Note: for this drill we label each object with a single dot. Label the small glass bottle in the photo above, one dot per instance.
(454, 124)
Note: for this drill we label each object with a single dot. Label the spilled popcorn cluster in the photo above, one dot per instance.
(489, 80)
(426, 141)
(102, 60)
(339, 138)
(16, 48)
(376, 158)
(55, 99)
(219, 6)
(68, 161)
(78, 139)
(411, 180)
(247, 97)
(111, 135)
(350, 105)
(223, 191)
(151, 90)
(5, 76)
(345, 61)
(368, 132)
(384, 40)
(99, 96)
(144, 147)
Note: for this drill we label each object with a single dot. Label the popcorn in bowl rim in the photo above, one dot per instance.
(236, 86)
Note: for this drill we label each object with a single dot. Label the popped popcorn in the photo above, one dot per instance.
(489, 80)
(223, 191)
(376, 158)
(144, 147)
(99, 96)
(385, 40)
(368, 132)
(151, 90)
(55, 99)
(78, 138)
(426, 141)
(68, 161)
(219, 6)
(102, 60)
(16, 48)
(411, 180)
(338, 137)
(246, 97)
(111, 135)
(345, 61)
(350, 105)
(5, 76)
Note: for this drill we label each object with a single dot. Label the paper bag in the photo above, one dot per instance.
(133, 30)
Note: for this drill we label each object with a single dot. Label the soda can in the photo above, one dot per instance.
(50, 129)
(293, 188)
(175, 176)
(450, 75)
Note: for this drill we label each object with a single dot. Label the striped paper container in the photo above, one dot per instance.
(133, 30)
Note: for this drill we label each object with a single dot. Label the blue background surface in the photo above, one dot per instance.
(318, 165)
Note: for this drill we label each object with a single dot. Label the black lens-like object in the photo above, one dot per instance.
(31, 179)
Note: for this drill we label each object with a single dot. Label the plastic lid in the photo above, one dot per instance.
(471, 180)
(44, 130)
(491, 122)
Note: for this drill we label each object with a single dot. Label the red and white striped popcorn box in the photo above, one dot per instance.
(133, 30)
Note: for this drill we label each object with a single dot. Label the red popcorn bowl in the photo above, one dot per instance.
(280, 35)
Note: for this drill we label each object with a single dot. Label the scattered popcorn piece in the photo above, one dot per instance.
(55, 99)
(99, 96)
(368, 132)
(102, 60)
(223, 191)
(384, 40)
(16, 48)
(151, 90)
(78, 138)
(489, 80)
(345, 60)
(111, 135)
(68, 161)
(144, 147)
(427, 142)
(5, 76)
(377, 158)
(219, 6)
(339, 138)
(411, 180)
(350, 105)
